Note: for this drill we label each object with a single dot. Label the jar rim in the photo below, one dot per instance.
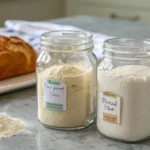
(127, 47)
(63, 32)
(127, 43)
(66, 40)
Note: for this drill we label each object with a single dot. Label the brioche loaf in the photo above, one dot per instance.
(16, 57)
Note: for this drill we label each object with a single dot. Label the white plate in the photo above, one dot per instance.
(17, 83)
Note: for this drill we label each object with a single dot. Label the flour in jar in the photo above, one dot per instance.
(132, 85)
(74, 95)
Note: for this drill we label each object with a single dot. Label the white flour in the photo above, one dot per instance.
(9, 126)
(132, 84)
(79, 96)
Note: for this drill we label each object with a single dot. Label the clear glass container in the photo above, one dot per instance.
(124, 90)
(66, 80)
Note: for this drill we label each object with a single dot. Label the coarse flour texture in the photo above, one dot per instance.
(79, 95)
(9, 126)
(132, 84)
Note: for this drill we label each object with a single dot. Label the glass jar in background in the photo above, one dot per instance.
(124, 90)
(66, 80)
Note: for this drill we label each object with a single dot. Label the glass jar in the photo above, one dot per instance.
(124, 90)
(66, 80)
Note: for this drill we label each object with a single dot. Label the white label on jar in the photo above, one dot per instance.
(54, 95)
(110, 107)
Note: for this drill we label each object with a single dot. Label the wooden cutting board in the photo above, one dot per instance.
(16, 83)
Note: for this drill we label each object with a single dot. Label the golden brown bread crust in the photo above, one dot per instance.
(16, 57)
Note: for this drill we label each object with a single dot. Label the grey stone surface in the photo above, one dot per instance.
(23, 104)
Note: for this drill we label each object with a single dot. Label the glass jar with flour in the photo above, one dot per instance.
(66, 80)
(124, 90)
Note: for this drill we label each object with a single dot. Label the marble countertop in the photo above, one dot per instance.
(23, 104)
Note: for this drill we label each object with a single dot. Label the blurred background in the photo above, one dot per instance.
(135, 10)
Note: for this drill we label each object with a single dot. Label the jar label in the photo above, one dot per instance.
(110, 107)
(54, 95)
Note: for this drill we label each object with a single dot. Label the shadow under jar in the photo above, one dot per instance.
(123, 111)
(66, 80)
